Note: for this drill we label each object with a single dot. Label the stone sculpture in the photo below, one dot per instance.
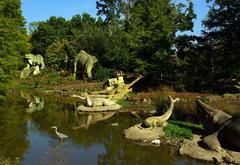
(220, 127)
(114, 82)
(34, 64)
(156, 121)
(95, 101)
(119, 92)
(87, 61)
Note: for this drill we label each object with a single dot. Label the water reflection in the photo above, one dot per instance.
(86, 119)
(92, 139)
(13, 129)
(35, 103)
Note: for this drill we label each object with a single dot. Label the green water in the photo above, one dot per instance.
(26, 134)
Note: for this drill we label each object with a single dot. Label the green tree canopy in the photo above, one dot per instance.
(222, 36)
(151, 28)
(13, 40)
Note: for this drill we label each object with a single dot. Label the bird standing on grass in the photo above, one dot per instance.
(60, 135)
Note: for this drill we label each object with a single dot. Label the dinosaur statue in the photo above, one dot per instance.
(87, 61)
(114, 83)
(34, 64)
(116, 93)
(95, 101)
(237, 87)
(221, 128)
(155, 121)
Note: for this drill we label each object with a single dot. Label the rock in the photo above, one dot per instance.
(195, 149)
(139, 133)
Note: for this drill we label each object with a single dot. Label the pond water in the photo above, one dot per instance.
(26, 133)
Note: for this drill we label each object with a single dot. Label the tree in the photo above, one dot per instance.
(112, 10)
(60, 55)
(222, 36)
(56, 28)
(151, 28)
(13, 40)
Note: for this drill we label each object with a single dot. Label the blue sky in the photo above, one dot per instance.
(41, 10)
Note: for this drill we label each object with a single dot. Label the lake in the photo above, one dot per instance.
(94, 138)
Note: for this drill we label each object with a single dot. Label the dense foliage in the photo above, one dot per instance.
(131, 35)
(13, 41)
(213, 60)
(135, 36)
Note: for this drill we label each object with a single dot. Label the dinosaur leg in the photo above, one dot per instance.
(88, 69)
(75, 69)
(213, 143)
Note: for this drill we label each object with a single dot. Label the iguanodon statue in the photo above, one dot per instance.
(34, 64)
(222, 130)
(87, 61)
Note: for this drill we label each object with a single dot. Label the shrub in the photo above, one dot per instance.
(53, 78)
(103, 74)
(179, 87)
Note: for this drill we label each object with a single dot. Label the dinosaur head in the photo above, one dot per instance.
(211, 118)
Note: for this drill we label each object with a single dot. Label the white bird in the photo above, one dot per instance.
(60, 135)
(155, 141)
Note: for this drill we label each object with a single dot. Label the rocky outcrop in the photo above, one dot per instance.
(138, 133)
(196, 149)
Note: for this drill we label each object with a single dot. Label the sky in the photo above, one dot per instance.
(41, 10)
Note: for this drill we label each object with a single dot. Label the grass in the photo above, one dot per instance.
(181, 129)
(125, 103)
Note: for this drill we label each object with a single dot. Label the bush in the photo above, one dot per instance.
(179, 87)
(3, 89)
(103, 74)
(53, 78)
(69, 78)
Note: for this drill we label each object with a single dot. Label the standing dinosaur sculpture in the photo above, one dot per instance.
(87, 61)
(34, 64)
(221, 128)
(156, 121)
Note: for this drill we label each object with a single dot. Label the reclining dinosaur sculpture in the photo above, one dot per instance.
(221, 128)
(156, 121)
(95, 101)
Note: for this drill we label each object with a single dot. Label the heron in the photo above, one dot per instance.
(60, 135)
